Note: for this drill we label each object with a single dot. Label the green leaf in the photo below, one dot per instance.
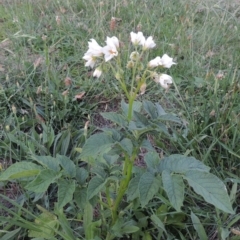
(93, 230)
(65, 224)
(47, 224)
(62, 142)
(152, 161)
(11, 234)
(150, 109)
(18, 142)
(147, 145)
(129, 229)
(169, 117)
(65, 142)
(48, 162)
(20, 170)
(127, 146)
(69, 168)
(181, 164)
(110, 159)
(140, 120)
(132, 191)
(157, 221)
(87, 220)
(95, 185)
(81, 175)
(174, 187)
(114, 133)
(136, 107)
(137, 132)
(160, 110)
(115, 118)
(198, 227)
(48, 135)
(80, 197)
(101, 170)
(148, 186)
(158, 126)
(225, 234)
(42, 181)
(65, 192)
(211, 188)
(97, 144)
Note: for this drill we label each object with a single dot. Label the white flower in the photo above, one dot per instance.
(164, 80)
(94, 51)
(91, 60)
(137, 38)
(97, 73)
(149, 43)
(155, 62)
(110, 50)
(113, 40)
(94, 48)
(167, 62)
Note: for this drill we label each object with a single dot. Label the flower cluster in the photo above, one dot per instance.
(139, 39)
(95, 51)
(98, 55)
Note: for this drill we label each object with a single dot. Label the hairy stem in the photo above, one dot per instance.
(127, 174)
(130, 107)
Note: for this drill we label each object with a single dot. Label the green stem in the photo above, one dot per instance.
(122, 83)
(130, 107)
(122, 190)
(108, 197)
(134, 95)
(127, 174)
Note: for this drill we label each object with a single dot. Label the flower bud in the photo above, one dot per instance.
(58, 20)
(86, 128)
(140, 66)
(14, 110)
(130, 64)
(44, 37)
(143, 88)
(97, 73)
(119, 74)
(39, 89)
(134, 56)
(138, 78)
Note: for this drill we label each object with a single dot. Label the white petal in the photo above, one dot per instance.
(165, 80)
(94, 48)
(137, 38)
(149, 43)
(155, 62)
(90, 60)
(167, 61)
(97, 73)
(109, 52)
(133, 36)
(115, 41)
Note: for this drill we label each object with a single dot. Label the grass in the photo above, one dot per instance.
(203, 37)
